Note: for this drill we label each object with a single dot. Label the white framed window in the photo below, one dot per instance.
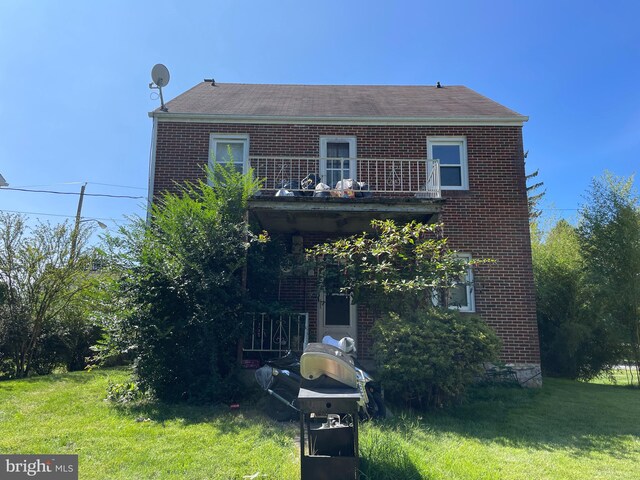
(337, 159)
(451, 152)
(224, 147)
(461, 295)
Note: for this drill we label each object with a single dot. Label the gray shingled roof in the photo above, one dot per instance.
(338, 101)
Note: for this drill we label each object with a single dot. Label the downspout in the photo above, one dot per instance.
(152, 165)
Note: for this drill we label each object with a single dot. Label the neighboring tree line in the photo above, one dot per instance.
(588, 285)
(48, 293)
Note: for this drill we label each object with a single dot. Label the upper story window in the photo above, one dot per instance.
(224, 148)
(337, 159)
(452, 154)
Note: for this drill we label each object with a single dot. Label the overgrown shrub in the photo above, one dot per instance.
(395, 268)
(429, 357)
(609, 238)
(264, 260)
(181, 290)
(583, 279)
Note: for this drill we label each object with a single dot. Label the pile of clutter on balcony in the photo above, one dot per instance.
(311, 186)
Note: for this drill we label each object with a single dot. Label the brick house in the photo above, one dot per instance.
(429, 153)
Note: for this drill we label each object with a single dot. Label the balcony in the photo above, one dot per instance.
(356, 191)
(377, 177)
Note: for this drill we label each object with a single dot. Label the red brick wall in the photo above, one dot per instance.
(489, 220)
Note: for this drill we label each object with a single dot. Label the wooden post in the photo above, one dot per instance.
(76, 228)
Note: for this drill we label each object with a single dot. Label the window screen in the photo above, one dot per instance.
(337, 169)
(230, 151)
(450, 164)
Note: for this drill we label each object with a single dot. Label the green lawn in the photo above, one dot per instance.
(619, 376)
(566, 430)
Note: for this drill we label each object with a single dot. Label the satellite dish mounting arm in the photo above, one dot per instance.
(160, 77)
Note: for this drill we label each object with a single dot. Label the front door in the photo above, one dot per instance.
(337, 315)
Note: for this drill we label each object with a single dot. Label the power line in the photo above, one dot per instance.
(48, 184)
(75, 193)
(119, 186)
(57, 215)
(80, 183)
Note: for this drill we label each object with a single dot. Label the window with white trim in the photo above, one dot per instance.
(225, 148)
(451, 152)
(337, 159)
(461, 295)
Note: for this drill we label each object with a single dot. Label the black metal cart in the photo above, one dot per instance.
(329, 450)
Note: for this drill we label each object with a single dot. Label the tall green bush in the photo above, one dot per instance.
(181, 286)
(429, 357)
(609, 234)
(573, 342)
(588, 294)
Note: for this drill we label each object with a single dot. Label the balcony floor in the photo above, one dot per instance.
(338, 215)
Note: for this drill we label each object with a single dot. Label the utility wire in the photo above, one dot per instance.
(120, 186)
(75, 193)
(79, 183)
(57, 215)
(48, 185)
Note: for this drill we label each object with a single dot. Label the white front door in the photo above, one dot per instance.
(337, 316)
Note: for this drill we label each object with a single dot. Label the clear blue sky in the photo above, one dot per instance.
(74, 79)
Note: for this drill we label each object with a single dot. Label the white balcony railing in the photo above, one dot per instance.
(381, 177)
(278, 333)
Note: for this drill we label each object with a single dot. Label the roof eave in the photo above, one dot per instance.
(515, 120)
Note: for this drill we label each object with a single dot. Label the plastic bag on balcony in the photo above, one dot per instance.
(284, 193)
(288, 188)
(322, 190)
(362, 190)
(336, 193)
(345, 188)
(345, 184)
(309, 183)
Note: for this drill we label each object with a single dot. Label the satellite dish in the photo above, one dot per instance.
(160, 75)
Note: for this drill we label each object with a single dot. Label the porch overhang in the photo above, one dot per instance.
(338, 215)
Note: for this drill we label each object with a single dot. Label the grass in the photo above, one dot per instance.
(67, 414)
(566, 430)
(619, 376)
